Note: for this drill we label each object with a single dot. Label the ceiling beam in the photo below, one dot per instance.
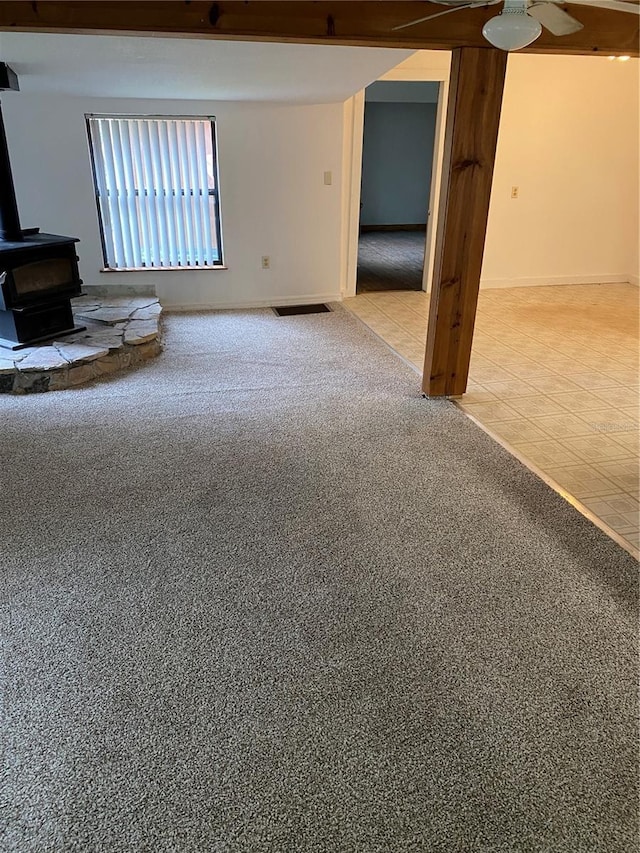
(471, 135)
(368, 23)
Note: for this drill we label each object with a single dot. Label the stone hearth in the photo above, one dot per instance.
(120, 333)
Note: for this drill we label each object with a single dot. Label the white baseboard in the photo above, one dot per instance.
(634, 279)
(540, 281)
(243, 305)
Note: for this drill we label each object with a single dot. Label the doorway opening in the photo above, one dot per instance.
(400, 120)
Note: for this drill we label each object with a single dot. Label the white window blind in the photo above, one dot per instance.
(156, 187)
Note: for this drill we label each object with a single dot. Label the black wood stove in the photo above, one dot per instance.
(38, 273)
(38, 277)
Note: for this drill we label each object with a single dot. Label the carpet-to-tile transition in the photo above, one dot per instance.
(261, 596)
(554, 375)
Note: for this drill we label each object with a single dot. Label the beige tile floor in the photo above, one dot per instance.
(554, 377)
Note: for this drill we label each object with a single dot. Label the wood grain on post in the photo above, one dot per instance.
(471, 135)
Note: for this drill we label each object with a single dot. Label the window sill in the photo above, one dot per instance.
(163, 269)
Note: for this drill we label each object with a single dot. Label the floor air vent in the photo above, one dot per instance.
(292, 310)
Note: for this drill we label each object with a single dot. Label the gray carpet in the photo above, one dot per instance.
(390, 260)
(260, 596)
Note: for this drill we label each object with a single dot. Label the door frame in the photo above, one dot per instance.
(352, 170)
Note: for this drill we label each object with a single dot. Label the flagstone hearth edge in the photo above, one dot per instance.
(120, 333)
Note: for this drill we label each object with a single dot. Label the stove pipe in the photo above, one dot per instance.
(9, 220)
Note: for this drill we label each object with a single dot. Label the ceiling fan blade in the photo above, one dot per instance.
(614, 5)
(473, 5)
(437, 15)
(554, 19)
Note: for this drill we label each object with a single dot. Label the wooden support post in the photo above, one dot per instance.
(473, 117)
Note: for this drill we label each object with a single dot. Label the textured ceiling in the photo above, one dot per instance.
(195, 69)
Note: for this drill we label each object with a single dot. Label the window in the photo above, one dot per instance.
(157, 191)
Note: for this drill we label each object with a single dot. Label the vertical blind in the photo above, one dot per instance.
(157, 191)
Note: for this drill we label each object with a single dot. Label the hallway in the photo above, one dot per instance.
(390, 260)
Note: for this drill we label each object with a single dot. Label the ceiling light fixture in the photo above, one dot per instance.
(513, 28)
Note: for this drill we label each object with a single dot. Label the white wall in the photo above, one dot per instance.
(569, 140)
(274, 202)
(421, 65)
